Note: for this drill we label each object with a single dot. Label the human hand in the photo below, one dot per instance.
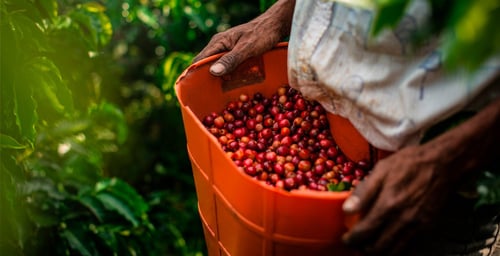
(249, 39)
(401, 196)
(406, 190)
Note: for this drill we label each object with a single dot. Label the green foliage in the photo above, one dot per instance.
(173, 66)
(92, 147)
(265, 4)
(468, 28)
(341, 186)
(488, 189)
(69, 199)
(53, 187)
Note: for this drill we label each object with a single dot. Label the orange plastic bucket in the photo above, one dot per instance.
(352, 143)
(240, 215)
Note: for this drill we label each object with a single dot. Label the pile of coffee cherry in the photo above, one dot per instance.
(285, 141)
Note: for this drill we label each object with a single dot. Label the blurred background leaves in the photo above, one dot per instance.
(91, 137)
(468, 29)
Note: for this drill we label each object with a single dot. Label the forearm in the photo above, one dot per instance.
(470, 146)
(278, 16)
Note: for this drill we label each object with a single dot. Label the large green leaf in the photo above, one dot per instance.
(114, 203)
(93, 7)
(147, 17)
(76, 242)
(83, 25)
(7, 141)
(28, 36)
(48, 81)
(25, 109)
(126, 193)
(94, 26)
(173, 66)
(94, 205)
(102, 24)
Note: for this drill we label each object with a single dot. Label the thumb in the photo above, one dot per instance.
(363, 196)
(227, 63)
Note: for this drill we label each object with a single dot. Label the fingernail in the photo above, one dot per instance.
(217, 68)
(351, 204)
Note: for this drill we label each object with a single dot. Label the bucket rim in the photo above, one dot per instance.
(320, 195)
(213, 58)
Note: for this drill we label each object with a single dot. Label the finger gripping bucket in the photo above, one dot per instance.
(240, 215)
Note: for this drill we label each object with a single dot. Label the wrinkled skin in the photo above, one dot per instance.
(249, 39)
(405, 191)
(402, 195)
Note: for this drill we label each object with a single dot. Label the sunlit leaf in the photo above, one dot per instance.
(93, 7)
(25, 108)
(173, 66)
(95, 23)
(48, 80)
(105, 29)
(473, 31)
(146, 16)
(7, 141)
(176, 8)
(28, 36)
(62, 22)
(86, 28)
(50, 7)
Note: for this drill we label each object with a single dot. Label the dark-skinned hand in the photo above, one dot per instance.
(249, 39)
(405, 191)
(402, 195)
